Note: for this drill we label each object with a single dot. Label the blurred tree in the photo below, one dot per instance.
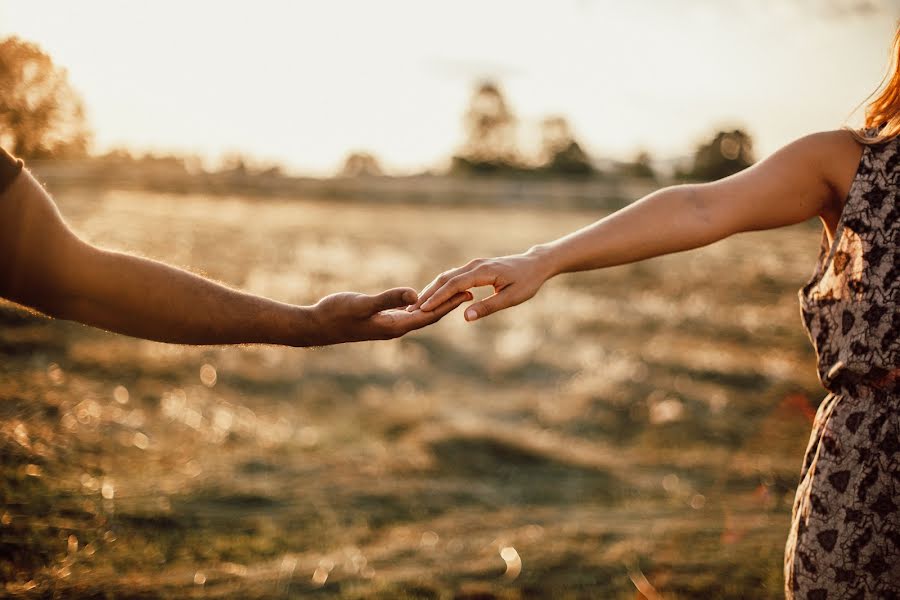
(41, 116)
(560, 152)
(163, 161)
(359, 164)
(556, 135)
(641, 167)
(727, 153)
(234, 163)
(117, 155)
(490, 132)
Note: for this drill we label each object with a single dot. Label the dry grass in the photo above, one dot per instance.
(643, 424)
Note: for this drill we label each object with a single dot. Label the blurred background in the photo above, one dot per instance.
(630, 433)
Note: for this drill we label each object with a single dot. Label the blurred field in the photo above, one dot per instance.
(643, 424)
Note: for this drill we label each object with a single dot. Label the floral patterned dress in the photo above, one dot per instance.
(845, 533)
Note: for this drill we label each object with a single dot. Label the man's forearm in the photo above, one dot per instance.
(44, 265)
(147, 299)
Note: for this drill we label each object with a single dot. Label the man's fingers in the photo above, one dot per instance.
(450, 305)
(395, 298)
(488, 306)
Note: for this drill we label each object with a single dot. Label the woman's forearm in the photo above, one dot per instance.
(807, 178)
(804, 179)
(670, 220)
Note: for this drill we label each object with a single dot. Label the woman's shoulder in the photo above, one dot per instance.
(827, 150)
(840, 143)
(837, 155)
(849, 144)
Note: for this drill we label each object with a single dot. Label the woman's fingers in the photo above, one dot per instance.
(442, 279)
(475, 277)
(435, 285)
(426, 293)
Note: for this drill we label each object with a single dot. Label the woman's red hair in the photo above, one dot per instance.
(883, 113)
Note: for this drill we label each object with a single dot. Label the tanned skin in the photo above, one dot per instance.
(44, 265)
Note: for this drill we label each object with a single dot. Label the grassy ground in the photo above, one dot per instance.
(634, 429)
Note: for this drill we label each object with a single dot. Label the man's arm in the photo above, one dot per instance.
(44, 265)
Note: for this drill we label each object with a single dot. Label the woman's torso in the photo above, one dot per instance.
(849, 306)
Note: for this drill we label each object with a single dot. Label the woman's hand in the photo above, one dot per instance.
(515, 279)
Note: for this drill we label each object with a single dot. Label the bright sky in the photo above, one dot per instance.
(303, 83)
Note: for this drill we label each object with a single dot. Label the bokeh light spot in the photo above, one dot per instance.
(120, 394)
(513, 562)
(208, 375)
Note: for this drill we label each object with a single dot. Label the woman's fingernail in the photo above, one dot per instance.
(471, 315)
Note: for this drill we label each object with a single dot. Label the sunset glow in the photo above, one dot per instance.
(304, 83)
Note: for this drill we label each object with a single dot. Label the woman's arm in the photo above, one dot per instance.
(44, 265)
(807, 178)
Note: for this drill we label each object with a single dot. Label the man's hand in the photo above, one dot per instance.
(351, 317)
(515, 279)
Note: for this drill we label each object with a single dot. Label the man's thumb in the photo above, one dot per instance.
(395, 298)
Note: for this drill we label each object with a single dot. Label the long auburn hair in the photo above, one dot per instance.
(883, 113)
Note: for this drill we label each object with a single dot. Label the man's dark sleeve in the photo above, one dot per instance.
(9, 169)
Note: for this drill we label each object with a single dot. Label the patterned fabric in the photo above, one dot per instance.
(845, 532)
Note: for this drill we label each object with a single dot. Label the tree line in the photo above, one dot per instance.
(42, 116)
(492, 146)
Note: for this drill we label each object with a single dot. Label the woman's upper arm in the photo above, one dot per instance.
(807, 178)
(39, 254)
